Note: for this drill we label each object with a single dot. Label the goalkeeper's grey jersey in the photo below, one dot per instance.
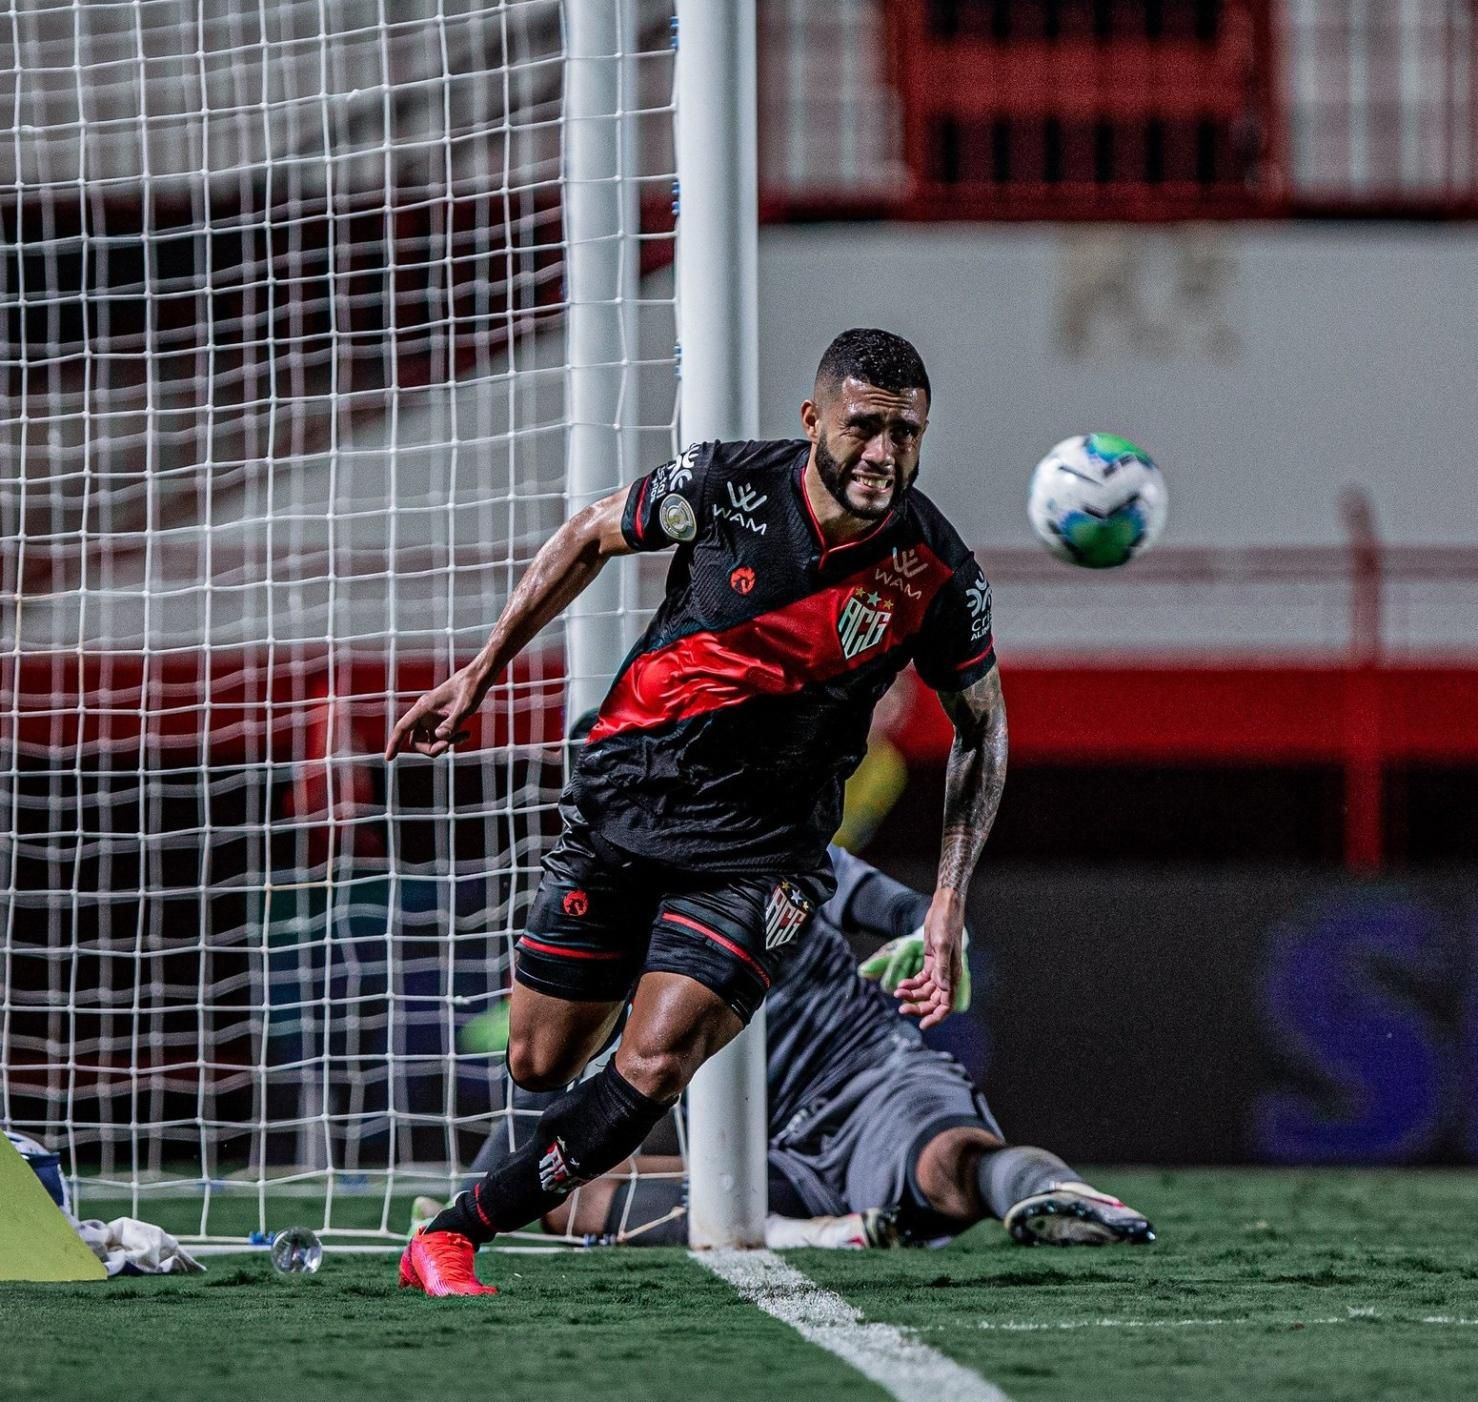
(823, 1022)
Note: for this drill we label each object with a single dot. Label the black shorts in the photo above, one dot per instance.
(603, 917)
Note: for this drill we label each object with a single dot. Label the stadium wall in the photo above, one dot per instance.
(1266, 366)
(1130, 1012)
(1225, 349)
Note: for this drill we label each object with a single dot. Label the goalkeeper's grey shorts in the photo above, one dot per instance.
(859, 1147)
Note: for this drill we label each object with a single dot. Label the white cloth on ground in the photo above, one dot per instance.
(127, 1246)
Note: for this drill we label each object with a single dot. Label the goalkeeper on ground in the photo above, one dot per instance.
(875, 1138)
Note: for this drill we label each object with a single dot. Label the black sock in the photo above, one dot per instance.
(1009, 1174)
(585, 1133)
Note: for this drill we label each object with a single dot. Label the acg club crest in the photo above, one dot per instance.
(786, 913)
(863, 621)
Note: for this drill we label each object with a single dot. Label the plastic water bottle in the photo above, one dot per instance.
(296, 1251)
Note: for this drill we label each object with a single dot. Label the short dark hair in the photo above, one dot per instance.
(876, 358)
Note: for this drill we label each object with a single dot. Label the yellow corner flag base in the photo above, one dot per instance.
(36, 1241)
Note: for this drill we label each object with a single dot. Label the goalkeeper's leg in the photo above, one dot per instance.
(961, 1176)
(966, 1173)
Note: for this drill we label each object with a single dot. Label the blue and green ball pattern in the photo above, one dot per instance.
(1104, 542)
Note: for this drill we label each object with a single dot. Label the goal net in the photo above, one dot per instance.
(318, 317)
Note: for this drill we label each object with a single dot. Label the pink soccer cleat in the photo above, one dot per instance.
(441, 1263)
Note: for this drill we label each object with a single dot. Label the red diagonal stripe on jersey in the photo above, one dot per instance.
(776, 654)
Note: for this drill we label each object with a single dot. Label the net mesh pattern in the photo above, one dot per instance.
(288, 398)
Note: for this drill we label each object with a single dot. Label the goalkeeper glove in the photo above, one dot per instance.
(487, 1033)
(904, 957)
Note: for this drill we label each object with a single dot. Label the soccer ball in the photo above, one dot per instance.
(1097, 500)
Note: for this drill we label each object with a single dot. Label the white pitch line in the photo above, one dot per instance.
(1353, 1315)
(1031, 1326)
(895, 1358)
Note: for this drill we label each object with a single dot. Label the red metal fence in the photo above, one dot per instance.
(1122, 109)
(1355, 658)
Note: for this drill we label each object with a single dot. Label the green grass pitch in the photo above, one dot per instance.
(1272, 1284)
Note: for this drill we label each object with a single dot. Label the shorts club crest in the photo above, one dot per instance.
(786, 914)
(577, 904)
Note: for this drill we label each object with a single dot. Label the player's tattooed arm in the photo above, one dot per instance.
(975, 779)
(973, 785)
(563, 568)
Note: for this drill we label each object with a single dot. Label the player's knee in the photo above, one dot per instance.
(946, 1172)
(660, 1074)
(533, 1065)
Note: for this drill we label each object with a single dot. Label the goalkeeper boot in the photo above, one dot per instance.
(441, 1263)
(1074, 1214)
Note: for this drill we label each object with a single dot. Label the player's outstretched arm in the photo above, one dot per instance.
(973, 784)
(564, 566)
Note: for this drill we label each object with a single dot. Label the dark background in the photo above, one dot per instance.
(1198, 1013)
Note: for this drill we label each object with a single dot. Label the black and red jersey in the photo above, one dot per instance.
(725, 739)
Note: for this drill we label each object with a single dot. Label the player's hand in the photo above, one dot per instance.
(903, 958)
(929, 994)
(438, 720)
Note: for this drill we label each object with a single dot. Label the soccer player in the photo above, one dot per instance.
(808, 573)
(874, 1138)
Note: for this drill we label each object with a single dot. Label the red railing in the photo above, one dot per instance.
(1356, 656)
(1121, 109)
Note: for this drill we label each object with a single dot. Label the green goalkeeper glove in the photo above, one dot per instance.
(904, 957)
(487, 1033)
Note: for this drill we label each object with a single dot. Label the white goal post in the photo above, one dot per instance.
(717, 290)
(318, 318)
(718, 302)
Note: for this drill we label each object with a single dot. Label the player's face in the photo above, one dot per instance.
(867, 444)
